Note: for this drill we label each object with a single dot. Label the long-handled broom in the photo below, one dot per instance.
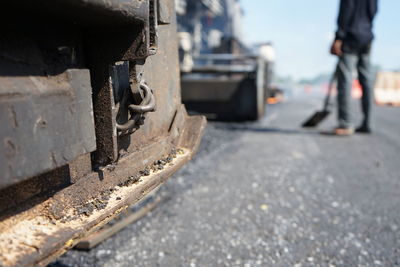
(319, 116)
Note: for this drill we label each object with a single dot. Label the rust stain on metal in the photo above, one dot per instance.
(9, 148)
(14, 118)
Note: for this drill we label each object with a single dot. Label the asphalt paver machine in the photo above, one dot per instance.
(91, 118)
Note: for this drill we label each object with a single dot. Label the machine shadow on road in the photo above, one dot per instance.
(258, 129)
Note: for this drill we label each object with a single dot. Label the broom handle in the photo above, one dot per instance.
(330, 88)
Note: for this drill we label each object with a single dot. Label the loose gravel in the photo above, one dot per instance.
(272, 194)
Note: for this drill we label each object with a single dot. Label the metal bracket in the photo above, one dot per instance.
(164, 15)
(130, 113)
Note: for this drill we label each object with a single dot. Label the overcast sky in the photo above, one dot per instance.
(302, 31)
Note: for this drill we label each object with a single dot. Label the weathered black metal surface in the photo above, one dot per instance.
(223, 69)
(45, 123)
(217, 89)
(222, 99)
(103, 13)
(90, 188)
(226, 86)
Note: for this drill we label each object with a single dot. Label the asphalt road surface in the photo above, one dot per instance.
(272, 194)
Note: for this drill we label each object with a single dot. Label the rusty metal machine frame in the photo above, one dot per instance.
(91, 116)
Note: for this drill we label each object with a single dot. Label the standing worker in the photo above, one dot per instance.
(353, 46)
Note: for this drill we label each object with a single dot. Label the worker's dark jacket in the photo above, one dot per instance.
(355, 22)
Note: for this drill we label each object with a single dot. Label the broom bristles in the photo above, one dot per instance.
(316, 119)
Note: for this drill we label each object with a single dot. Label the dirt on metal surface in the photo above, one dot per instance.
(46, 230)
(100, 202)
(117, 170)
(130, 215)
(39, 236)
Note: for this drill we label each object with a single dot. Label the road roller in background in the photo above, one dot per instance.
(221, 77)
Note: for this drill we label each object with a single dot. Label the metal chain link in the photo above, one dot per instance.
(148, 104)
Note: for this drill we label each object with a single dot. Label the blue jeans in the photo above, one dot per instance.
(347, 63)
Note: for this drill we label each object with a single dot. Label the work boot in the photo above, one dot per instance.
(340, 131)
(344, 131)
(364, 129)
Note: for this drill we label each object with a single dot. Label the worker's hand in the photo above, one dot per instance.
(336, 48)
